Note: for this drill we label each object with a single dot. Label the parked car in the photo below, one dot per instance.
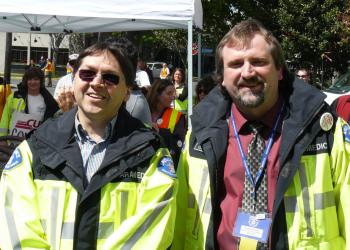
(340, 87)
(155, 67)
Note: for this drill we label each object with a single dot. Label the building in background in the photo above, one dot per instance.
(38, 45)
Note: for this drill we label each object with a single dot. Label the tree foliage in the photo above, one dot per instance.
(312, 33)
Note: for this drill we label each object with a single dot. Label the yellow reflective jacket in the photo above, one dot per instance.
(311, 208)
(12, 104)
(16, 101)
(46, 202)
(5, 91)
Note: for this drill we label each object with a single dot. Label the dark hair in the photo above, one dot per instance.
(33, 72)
(156, 90)
(206, 84)
(119, 53)
(241, 35)
(182, 71)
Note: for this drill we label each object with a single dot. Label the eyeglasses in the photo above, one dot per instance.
(302, 76)
(88, 75)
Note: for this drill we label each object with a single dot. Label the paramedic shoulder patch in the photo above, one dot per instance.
(15, 160)
(166, 166)
(346, 133)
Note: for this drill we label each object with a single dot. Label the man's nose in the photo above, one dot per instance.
(98, 80)
(248, 70)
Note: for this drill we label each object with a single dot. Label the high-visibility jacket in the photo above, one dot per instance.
(172, 128)
(311, 207)
(129, 203)
(181, 106)
(48, 68)
(181, 101)
(17, 101)
(169, 119)
(5, 91)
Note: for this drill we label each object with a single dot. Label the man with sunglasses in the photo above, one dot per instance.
(93, 178)
(303, 74)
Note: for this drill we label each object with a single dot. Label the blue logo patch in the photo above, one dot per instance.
(166, 166)
(15, 160)
(346, 132)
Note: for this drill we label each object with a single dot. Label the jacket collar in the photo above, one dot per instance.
(214, 109)
(56, 138)
(302, 103)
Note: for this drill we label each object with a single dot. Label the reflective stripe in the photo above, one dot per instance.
(207, 206)
(290, 204)
(174, 118)
(11, 225)
(123, 205)
(4, 130)
(67, 231)
(191, 200)
(19, 104)
(146, 224)
(205, 174)
(105, 229)
(324, 200)
(53, 221)
(306, 197)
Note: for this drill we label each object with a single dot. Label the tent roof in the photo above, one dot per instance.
(47, 16)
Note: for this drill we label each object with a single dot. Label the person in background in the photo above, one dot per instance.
(42, 62)
(94, 177)
(64, 87)
(143, 66)
(304, 75)
(203, 87)
(71, 62)
(266, 164)
(30, 65)
(5, 91)
(31, 98)
(137, 105)
(341, 107)
(170, 123)
(48, 72)
(179, 81)
(142, 80)
(164, 72)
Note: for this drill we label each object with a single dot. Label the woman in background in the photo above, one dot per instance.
(31, 98)
(169, 122)
(179, 81)
(204, 86)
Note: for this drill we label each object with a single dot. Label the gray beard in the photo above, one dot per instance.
(260, 97)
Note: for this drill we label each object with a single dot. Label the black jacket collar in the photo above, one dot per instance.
(54, 139)
(209, 117)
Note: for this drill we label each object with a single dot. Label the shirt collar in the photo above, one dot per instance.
(82, 135)
(268, 119)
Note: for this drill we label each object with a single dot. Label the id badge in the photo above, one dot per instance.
(253, 226)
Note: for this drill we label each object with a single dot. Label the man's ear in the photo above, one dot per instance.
(280, 74)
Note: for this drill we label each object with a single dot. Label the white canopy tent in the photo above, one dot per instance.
(47, 16)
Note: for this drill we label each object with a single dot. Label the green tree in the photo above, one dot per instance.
(313, 34)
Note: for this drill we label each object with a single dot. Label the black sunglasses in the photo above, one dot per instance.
(88, 75)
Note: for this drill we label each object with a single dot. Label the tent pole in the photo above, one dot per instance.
(29, 48)
(189, 70)
(199, 41)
